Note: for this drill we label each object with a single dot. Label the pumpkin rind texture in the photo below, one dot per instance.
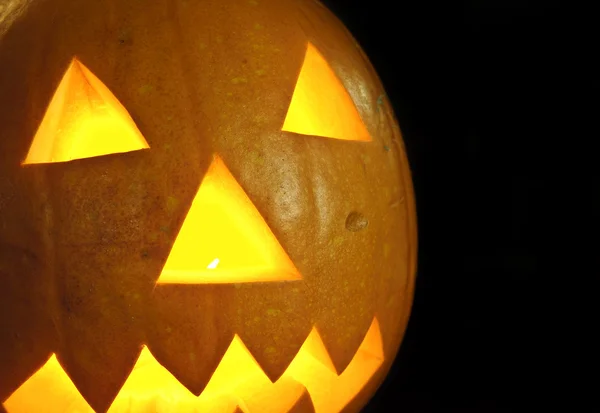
(211, 193)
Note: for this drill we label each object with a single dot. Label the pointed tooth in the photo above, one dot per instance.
(328, 390)
(360, 400)
(273, 328)
(17, 370)
(343, 301)
(99, 290)
(188, 330)
(262, 396)
(304, 404)
(396, 281)
(342, 337)
(99, 371)
(27, 340)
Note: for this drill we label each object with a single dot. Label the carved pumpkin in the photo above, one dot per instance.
(204, 206)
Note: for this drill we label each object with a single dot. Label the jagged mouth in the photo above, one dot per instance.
(238, 383)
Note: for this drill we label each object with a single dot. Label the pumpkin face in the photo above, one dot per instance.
(204, 206)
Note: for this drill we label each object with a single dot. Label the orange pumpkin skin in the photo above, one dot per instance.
(83, 243)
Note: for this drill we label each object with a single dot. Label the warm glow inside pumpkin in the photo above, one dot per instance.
(321, 106)
(240, 248)
(84, 119)
(238, 381)
(237, 244)
(223, 240)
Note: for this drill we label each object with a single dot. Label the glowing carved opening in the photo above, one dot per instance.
(321, 104)
(224, 239)
(83, 120)
(237, 381)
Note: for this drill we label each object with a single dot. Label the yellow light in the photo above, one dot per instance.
(321, 104)
(48, 390)
(83, 120)
(329, 392)
(237, 381)
(224, 239)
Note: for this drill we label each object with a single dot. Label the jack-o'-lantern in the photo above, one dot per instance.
(205, 205)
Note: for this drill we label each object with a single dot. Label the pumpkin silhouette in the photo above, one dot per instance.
(204, 206)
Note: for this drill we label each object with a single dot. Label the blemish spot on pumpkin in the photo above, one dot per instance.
(125, 37)
(386, 250)
(258, 26)
(397, 202)
(270, 350)
(380, 100)
(202, 46)
(172, 204)
(145, 89)
(253, 2)
(257, 158)
(272, 312)
(356, 222)
(238, 80)
(337, 241)
(260, 72)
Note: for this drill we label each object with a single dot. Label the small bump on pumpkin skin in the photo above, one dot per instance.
(145, 89)
(273, 312)
(125, 37)
(356, 222)
(386, 250)
(172, 204)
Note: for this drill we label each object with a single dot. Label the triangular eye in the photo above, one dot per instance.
(224, 239)
(84, 120)
(321, 104)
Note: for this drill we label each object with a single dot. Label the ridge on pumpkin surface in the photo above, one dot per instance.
(83, 120)
(238, 383)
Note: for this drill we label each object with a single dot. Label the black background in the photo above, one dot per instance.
(491, 97)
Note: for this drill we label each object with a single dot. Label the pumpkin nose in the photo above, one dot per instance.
(224, 239)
